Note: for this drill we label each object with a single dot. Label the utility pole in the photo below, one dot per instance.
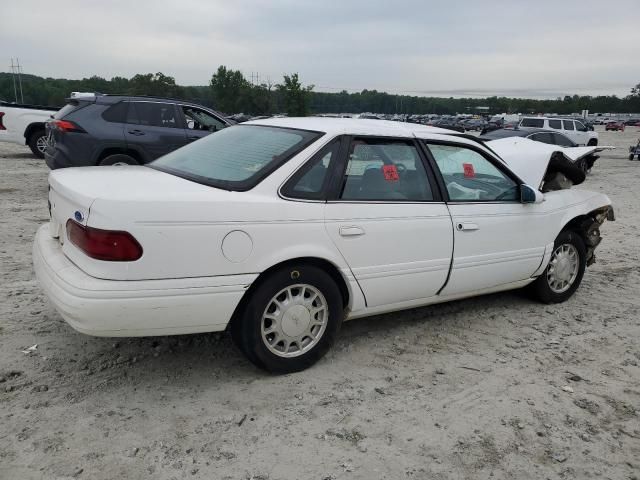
(15, 69)
(13, 76)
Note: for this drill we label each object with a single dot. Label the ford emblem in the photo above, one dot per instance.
(78, 216)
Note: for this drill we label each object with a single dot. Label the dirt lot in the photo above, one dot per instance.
(493, 387)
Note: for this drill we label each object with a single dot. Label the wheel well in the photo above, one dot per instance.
(33, 127)
(588, 227)
(115, 150)
(325, 265)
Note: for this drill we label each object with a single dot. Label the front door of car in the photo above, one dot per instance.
(581, 132)
(153, 129)
(388, 221)
(498, 240)
(569, 130)
(199, 123)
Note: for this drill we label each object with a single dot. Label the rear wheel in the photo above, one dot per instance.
(291, 319)
(38, 143)
(592, 143)
(631, 157)
(564, 273)
(118, 159)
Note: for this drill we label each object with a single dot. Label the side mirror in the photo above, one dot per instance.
(530, 195)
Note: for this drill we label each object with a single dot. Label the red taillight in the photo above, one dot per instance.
(67, 126)
(107, 245)
(2, 127)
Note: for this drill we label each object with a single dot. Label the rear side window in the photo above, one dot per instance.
(153, 114)
(562, 140)
(310, 181)
(236, 158)
(532, 122)
(543, 137)
(568, 124)
(557, 124)
(385, 170)
(116, 113)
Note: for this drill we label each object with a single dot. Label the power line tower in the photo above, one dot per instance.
(15, 70)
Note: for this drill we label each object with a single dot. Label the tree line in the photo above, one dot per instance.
(230, 92)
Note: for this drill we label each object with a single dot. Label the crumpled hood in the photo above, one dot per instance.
(529, 159)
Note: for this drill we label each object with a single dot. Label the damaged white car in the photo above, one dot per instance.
(280, 229)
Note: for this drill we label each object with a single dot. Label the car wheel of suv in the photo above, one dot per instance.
(592, 143)
(631, 157)
(118, 159)
(564, 273)
(291, 319)
(38, 143)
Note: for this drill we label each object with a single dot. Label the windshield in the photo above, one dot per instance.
(236, 158)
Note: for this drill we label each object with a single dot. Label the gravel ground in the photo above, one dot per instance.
(497, 386)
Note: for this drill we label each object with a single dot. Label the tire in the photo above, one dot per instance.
(38, 143)
(118, 159)
(544, 289)
(631, 157)
(592, 143)
(262, 337)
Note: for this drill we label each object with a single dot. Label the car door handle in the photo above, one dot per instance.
(466, 226)
(351, 231)
(136, 132)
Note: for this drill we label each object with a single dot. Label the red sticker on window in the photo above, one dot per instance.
(390, 173)
(469, 172)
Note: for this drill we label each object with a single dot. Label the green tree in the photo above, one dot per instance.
(230, 90)
(158, 85)
(295, 97)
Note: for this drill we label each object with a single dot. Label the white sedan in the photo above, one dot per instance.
(280, 229)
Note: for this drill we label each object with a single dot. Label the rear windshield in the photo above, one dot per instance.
(532, 122)
(67, 109)
(236, 158)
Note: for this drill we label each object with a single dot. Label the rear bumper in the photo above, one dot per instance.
(117, 308)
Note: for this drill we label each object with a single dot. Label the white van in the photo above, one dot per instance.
(574, 129)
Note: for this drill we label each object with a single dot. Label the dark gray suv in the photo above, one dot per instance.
(116, 129)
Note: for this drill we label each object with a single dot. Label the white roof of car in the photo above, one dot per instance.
(353, 126)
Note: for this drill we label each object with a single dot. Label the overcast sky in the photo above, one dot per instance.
(527, 48)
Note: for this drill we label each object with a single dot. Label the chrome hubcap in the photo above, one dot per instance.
(294, 321)
(563, 268)
(41, 144)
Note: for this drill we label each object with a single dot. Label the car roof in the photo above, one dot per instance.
(352, 126)
(520, 132)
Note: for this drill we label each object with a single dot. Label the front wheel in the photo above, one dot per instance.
(118, 159)
(564, 273)
(38, 143)
(631, 157)
(291, 319)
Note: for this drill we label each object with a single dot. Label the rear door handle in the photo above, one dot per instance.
(136, 132)
(351, 231)
(466, 226)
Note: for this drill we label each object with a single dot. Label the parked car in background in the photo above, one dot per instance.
(25, 125)
(449, 124)
(280, 229)
(634, 150)
(117, 129)
(574, 129)
(615, 126)
(476, 124)
(632, 122)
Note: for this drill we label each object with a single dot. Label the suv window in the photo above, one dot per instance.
(469, 176)
(198, 119)
(153, 114)
(116, 113)
(557, 124)
(580, 126)
(543, 137)
(309, 182)
(385, 170)
(562, 140)
(532, 122)
(568, 124)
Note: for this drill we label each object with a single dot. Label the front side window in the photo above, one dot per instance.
(543, 137)
(580, 126)
(532, 122)
(198, 119)
(236, 158)
(557, 124)
(152, 114)
(562, 140)
(469, 176)
(385, 170)
(568, 124)
(311, 180)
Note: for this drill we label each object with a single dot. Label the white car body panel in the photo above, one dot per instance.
(577, 136)
(204, 247)
(16, 120)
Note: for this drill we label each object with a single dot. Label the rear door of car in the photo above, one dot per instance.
(387, 218)
(153, 129)
(569, 129)
(498, 240)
